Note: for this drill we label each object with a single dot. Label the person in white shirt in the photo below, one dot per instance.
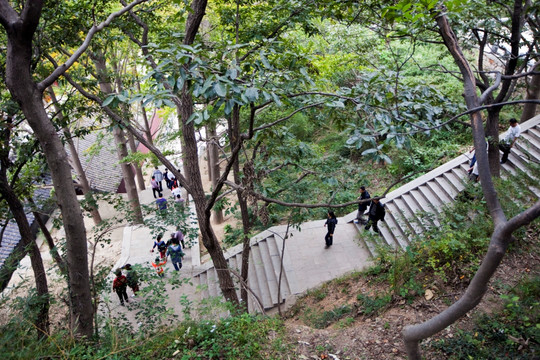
(509, 138)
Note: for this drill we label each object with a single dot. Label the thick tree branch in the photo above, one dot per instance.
(313, 206)
(490, 89)
(120, 121)
(8, 16)
(84, 46)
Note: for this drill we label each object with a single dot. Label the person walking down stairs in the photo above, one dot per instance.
(364, 195)
(509, 138)
(331, 222)
(376, 212)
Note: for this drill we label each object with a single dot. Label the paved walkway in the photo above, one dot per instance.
(306, 260)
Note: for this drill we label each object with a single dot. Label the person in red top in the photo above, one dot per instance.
(120, 286)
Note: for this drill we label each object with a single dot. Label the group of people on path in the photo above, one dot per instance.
(172, 249)
(375, 214)
(121, 283)
(157, 188)
(377, 210)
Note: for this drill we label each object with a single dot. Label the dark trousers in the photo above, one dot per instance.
(177, 265)
(328, 239)
(122, 294)
(154, 190)
(505, 148)
(160, 185)
(374, 223)
(168, 182)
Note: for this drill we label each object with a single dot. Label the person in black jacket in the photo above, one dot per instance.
(331, 222)
(364, 195)
(376, 212)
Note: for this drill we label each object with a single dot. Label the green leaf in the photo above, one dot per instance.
(220, 89)
(108, 100)
(252, 94)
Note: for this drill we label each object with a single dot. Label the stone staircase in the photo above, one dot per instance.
(264, 269)
(426, 194)
(430, 192)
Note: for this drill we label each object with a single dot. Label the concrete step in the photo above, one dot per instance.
(232, 265)
(535, 133)
(519, 163)
(386, 237)
(414, 208)
(274, 249)
(253, 283)
(264, 290)
(213, 282)
(399, 238)
(459, 177)
(526, 152)
(425, 206)
(408, 216)
(530, 139)
(401, 219)
(399, 225)
(439, 191)
(446, 187)
(204, 284)
(435, 201)
(270, 274)
(368, 245)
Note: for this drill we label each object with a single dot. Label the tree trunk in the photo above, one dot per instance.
(129, 176)
(131, 140)
(533, 93)
(193, 174)
(500, 238)
(208, 156)
(214, 166)
(48, 238)
(41, 321)
(492, 132)
(76, 162)
(234, 135)
(120, 140)
(20, 82)
(137, 166)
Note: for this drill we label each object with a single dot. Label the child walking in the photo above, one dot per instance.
(120, 286)
(158, 265)
(132, 279)
(161, 245)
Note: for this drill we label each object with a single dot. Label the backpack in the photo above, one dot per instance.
(162, 246)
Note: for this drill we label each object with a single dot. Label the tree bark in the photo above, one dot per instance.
(214, 166)
(24, 90)
(28, 240)
(48, 238)
(131, 141)
(17, 209)
(76, 162)
(137, 166)
(193, 174)
(501, 236)
(533, 93)
(234, 135)
(492, 123)
(120, 140)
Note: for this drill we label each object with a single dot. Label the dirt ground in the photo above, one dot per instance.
(379, 337)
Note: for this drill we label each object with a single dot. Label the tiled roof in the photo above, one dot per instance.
(99, 159)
